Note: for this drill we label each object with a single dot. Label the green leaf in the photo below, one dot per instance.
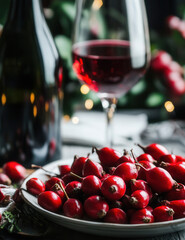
(92, 95)
(155, 99)
(64, 46)
(69, 10)
(64, 14)
(139, 87)
(123, 100)
(10, 221)
(72, 75)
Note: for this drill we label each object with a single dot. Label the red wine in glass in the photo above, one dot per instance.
(108, 66)
(111, 49)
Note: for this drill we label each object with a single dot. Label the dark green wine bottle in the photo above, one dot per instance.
(30, 87)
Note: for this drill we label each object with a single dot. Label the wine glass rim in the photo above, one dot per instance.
(109, 42)
(99, 42)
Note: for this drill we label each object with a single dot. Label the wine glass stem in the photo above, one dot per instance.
(109, 106)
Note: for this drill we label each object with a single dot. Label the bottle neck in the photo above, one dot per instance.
(24, 13)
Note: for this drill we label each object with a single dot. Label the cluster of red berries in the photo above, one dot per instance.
(12, 172)
(120, 189)
(176, 24)
(163, 64)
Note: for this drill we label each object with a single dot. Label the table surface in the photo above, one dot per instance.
(58, 232)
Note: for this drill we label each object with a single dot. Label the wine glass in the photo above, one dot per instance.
(111, 49)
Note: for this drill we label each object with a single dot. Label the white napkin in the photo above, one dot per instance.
(91, 128)
(8, 191)
(170, 133)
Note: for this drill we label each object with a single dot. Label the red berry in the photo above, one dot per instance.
(73, 208)
(176, 193)
(160, 61)
(50, 201)
(91, 185)
(107, 156)
(126, 171)
(113, 188)
(4, 179)
(17, 197)
(130, 212)
(139, 199)
(74, 189)
(141, 172)
(78, 164)
(116, 215)
(15, 171)
(126, 202)
(180, 159)
(149, 209)
(67, 178)
(179, 208)
(2, 196)
(173, 22)
(159, 180)
(64, 169)
(141, 185)
(163, 213)
(58, 190)
(116, 204)
(155, 150)
(105, 176)
(52, 181)
(96, 207)
(177, 171)
(175, 83)
(141, 216)
(35, 186)
(125, 158)
(92, 168)
(169, 158)
(173, 67)
(145, 157)
(181, 28)
(111, 170)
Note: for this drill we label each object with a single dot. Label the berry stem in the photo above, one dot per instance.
(113, 189)
(125, 152)
(132, 153)
(101, 214)
(132, 181)
(139, 145)
(45, 170)
(163, 164)
(170, 212)
(133, 200)
(94, 149)
(177, 185)
(165, 202)
(63, 189)
(138, 164)
(75, 175)
(146, 219)
(76, 157)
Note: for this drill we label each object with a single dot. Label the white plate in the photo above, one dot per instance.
(99, 228)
